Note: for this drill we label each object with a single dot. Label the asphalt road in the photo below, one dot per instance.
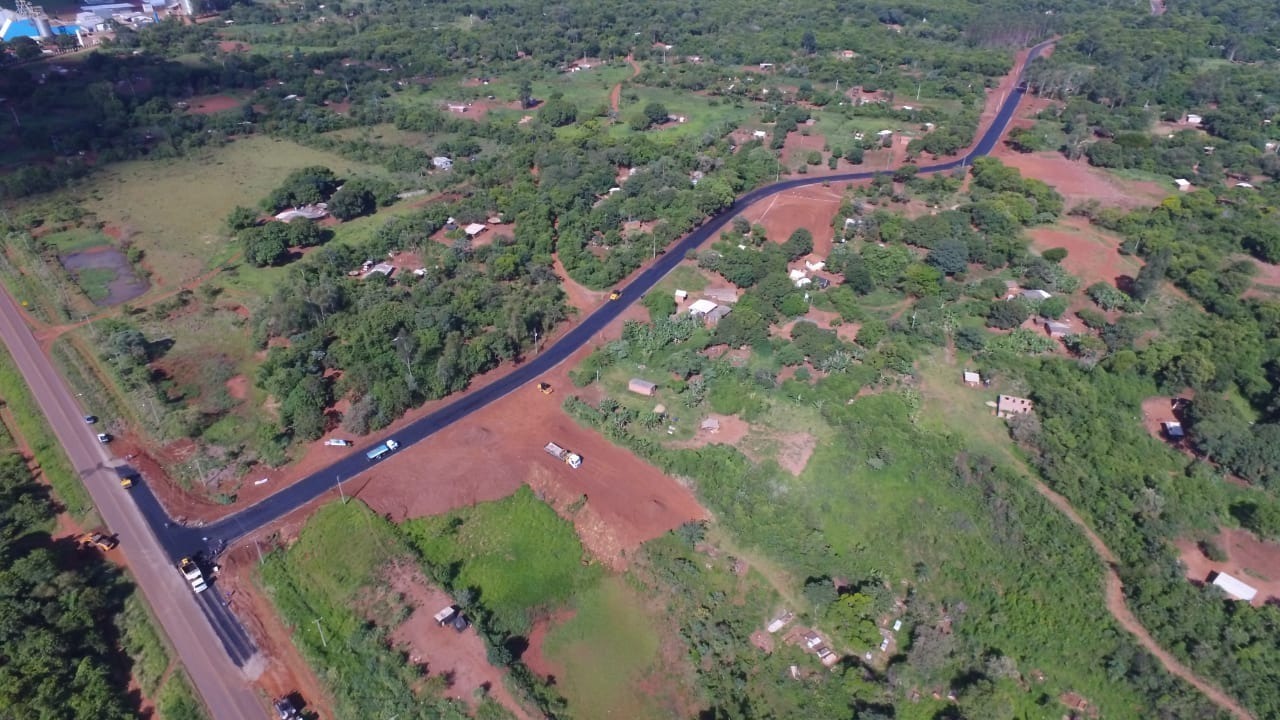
(217, 535)
(153, 542)
(210, 655)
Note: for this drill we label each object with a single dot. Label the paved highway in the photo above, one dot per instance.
(187, 619)
(219, 534)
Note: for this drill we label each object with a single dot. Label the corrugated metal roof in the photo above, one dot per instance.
(1235, 588)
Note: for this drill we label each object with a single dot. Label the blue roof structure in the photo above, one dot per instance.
(25, 27)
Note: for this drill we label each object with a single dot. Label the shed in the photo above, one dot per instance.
(814, 265)
(972, 379)
(701, 307)
(803, 282)
(475, 229)
(1057, 328)
(759, 134)
(1182, 183)
(1194, 119)
(379, 269)
(1007, 406)
(712, 425)
(1036, 294)
(642, 387)
(1234, 587)
(682, 295)
(795, 274)
(1173, 430)
(441, 163)
(715, 316)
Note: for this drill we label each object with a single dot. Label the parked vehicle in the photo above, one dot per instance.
(615, 294)
(337, 442)
(126, 481)
(104, 438)
(285, 709)
(102, 541)
(191, 571)
(572, 459)
(382, 449)
(545, 388)
(91, 419)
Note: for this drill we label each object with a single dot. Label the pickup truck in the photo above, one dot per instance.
(572, 459)
(191, 571)
(382, 449)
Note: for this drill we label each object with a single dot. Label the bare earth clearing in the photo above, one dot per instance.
(1249, 559)
(1093, 254)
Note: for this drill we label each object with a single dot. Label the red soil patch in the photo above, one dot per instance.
(794, 451)
(231, 46)
(1079, 182)
(810, 207)
(210, 104)
(1267, 283)
(477, 109)
(1093, 254)
(1249, 559)
(238, 387)
(533, 657)
(732, 430)
(798, 146)
(459, 656)
(580, 297)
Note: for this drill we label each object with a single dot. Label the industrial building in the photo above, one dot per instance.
(30, 21)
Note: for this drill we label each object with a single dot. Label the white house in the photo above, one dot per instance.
(759, 134)
(474, 229)
(1182, 183)
(1194, 119)
(682, 295)
(701, 307)
(795, 274)
(442, 163)
(814, 265)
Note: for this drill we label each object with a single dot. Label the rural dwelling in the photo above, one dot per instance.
(714, 317)
(795, 274)
(700, 308)
(803, 283)
(441, 163)
(474, 229)
(1173, 430)
(682, 295)
(642, 387)
(814, 265)
(759, 134)
(712, 425)
(1183, 184)
(1057, 328)
(781, 620)
(1233, 587)
(1036, 295)
(972, 379)
(1194, 119)
(379, 269)
(458, 107)
(1007, 406)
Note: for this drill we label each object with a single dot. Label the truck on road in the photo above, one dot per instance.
(572, 459)
(382, 449)
(191, 571)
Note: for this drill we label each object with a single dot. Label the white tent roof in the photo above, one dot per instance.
(1234, 587)
(701, 307)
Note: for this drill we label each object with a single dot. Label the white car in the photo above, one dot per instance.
(104, 438)
(337, 442)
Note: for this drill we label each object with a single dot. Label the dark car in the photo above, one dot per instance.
(460, 622)
(285, 709)
(91, 419)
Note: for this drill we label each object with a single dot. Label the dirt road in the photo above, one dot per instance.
(222, 685)
(1120, 611)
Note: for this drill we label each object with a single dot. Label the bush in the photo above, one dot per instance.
(1005, 314)
(1054, 255)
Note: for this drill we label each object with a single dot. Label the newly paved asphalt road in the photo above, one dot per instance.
(153, 542)
(209, 640)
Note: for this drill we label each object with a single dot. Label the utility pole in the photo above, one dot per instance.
(341, 492)
(322, 640)
(257, 545)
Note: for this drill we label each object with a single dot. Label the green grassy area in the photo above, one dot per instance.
(177, 700)
(48, 451)
(95, 281)
(144, 644)
(384, 134)
(702, 113)
(604, 649)
(76, 240)
(516, 553)
(174, 209)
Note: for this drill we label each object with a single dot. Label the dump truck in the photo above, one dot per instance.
(191, 571)
(382, 449)
(572, 459)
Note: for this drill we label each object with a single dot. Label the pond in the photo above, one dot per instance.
(105, 275)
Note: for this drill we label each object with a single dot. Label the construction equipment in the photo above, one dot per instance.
(102, 541)
(191, 571)
(572, 459)
(615, 294)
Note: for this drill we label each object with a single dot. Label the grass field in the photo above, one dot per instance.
(177, 700)
(95, 282)
(75, 240)
(517, 553)
(174, 209)
(604, 649)
(145, 646)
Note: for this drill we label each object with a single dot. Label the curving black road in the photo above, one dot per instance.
(179, 540)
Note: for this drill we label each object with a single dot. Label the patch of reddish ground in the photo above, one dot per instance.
(731, 431)
(1266, 284)
(798, 146)
(811, 207)
(238, 387)
(534, 657)
(1079, 182)
(477, 109)
(232, 46)
(581, 298)
(210, 104)
(1093, 254)
(459, 656)
(339, 108)
(1250, 560)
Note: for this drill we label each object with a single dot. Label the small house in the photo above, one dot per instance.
(1234, 587)
(1194, 119)
(1036, 295)
(795, 274)
(642, 387)
(714, 317)
(1007, 406)
(766, 66)
(712, 425)
(380, 269)
(780, 621)
(441, 163)
(1183, 184)
(1057, 328)
(972, 379)
(682, 295)
(475, 229)
(814, 265)
(1173, 430)
(812, 640)
(759, 134)
(804, 282)
(700, 308)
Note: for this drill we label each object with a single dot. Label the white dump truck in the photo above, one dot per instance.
(191, 571)
(572, 459)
